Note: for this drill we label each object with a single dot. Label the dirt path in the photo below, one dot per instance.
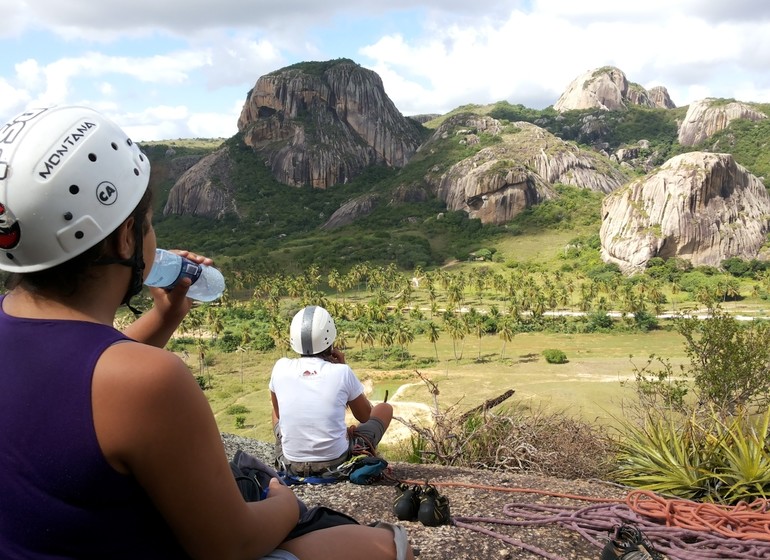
(407, 411)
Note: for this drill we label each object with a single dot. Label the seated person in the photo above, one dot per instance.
(310, 395)
(108, 447)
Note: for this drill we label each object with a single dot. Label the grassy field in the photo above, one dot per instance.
(588, 386)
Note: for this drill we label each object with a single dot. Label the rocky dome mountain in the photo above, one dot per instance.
(324, 124)
(607, 88)
(495, 184)
(708, 116)
(698, 206)
(516, 172)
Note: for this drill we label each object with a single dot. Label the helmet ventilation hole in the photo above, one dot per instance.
(79, 235)
(136, 171)
(68, 216)
(92, 157)
(74, 189)
(129, 142)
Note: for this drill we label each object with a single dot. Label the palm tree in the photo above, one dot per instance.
(506, 332)
(476, 321)
(386, 339)
(457, 330)
(279, 332)
(364, 333)
(433, 336)
(216, 326)
(404, 336)
(675, 289)
(333, 280)
(341, 341)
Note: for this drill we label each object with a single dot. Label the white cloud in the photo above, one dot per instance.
(12, 100)
(239, 60)
(431, 55)
(531, 58)
(198, 14)
(213, 125)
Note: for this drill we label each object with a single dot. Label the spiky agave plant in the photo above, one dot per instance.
(742, 457)
(665, 456)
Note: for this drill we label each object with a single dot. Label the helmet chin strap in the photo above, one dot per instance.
(137, 264)
(137, 269)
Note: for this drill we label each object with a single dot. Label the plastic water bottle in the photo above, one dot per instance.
(168, 268)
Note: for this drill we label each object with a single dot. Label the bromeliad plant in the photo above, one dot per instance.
(708, 459)
(744, 451)
(664, 456)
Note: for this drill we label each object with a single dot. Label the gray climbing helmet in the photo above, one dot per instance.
(312, 331)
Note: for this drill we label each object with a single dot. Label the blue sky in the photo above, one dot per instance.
(166, 69)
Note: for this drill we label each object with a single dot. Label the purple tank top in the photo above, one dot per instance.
(59, 498)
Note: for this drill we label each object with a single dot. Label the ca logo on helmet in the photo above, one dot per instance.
(106, 193)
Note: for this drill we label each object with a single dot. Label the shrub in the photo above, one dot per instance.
(514, 438)
(237, 409)
(228, 342)
(240, 422)
(262, 342)
(729, 360)
(599, 321)
(555, 356)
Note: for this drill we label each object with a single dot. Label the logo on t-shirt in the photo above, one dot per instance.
(308, 373)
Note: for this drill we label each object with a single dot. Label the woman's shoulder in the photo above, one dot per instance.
(135, 365)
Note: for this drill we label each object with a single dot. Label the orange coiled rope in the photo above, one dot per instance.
(741, 521)
(679, 529)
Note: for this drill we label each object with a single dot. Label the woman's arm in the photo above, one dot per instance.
(154, 423)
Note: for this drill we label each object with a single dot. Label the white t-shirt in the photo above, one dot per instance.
(312, 397)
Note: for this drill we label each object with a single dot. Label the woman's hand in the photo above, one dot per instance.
(282, 493)
(169, 308)
(174, 304)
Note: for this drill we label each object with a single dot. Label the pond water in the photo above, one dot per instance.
(378, 389)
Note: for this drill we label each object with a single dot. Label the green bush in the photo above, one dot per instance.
(262, 342)
(228, 342)
(554, 356)
(237, 409)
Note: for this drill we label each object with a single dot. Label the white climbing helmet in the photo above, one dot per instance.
(312, 331)
(68, 178)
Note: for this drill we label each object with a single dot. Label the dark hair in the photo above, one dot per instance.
(322, 354)
(64, 279)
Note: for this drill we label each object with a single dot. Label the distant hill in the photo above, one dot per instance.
(412, 191)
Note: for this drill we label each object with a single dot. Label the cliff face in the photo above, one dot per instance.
(516, 172)
(660, 97)
(205, 189)
(708, 116)
(699, 206)
(608, 88)
(316, 124)
(324, 127)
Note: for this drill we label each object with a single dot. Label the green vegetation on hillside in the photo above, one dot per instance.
(315, 68)
(747, 141)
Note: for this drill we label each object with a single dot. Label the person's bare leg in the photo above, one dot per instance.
(383, 412)
(346, 541)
